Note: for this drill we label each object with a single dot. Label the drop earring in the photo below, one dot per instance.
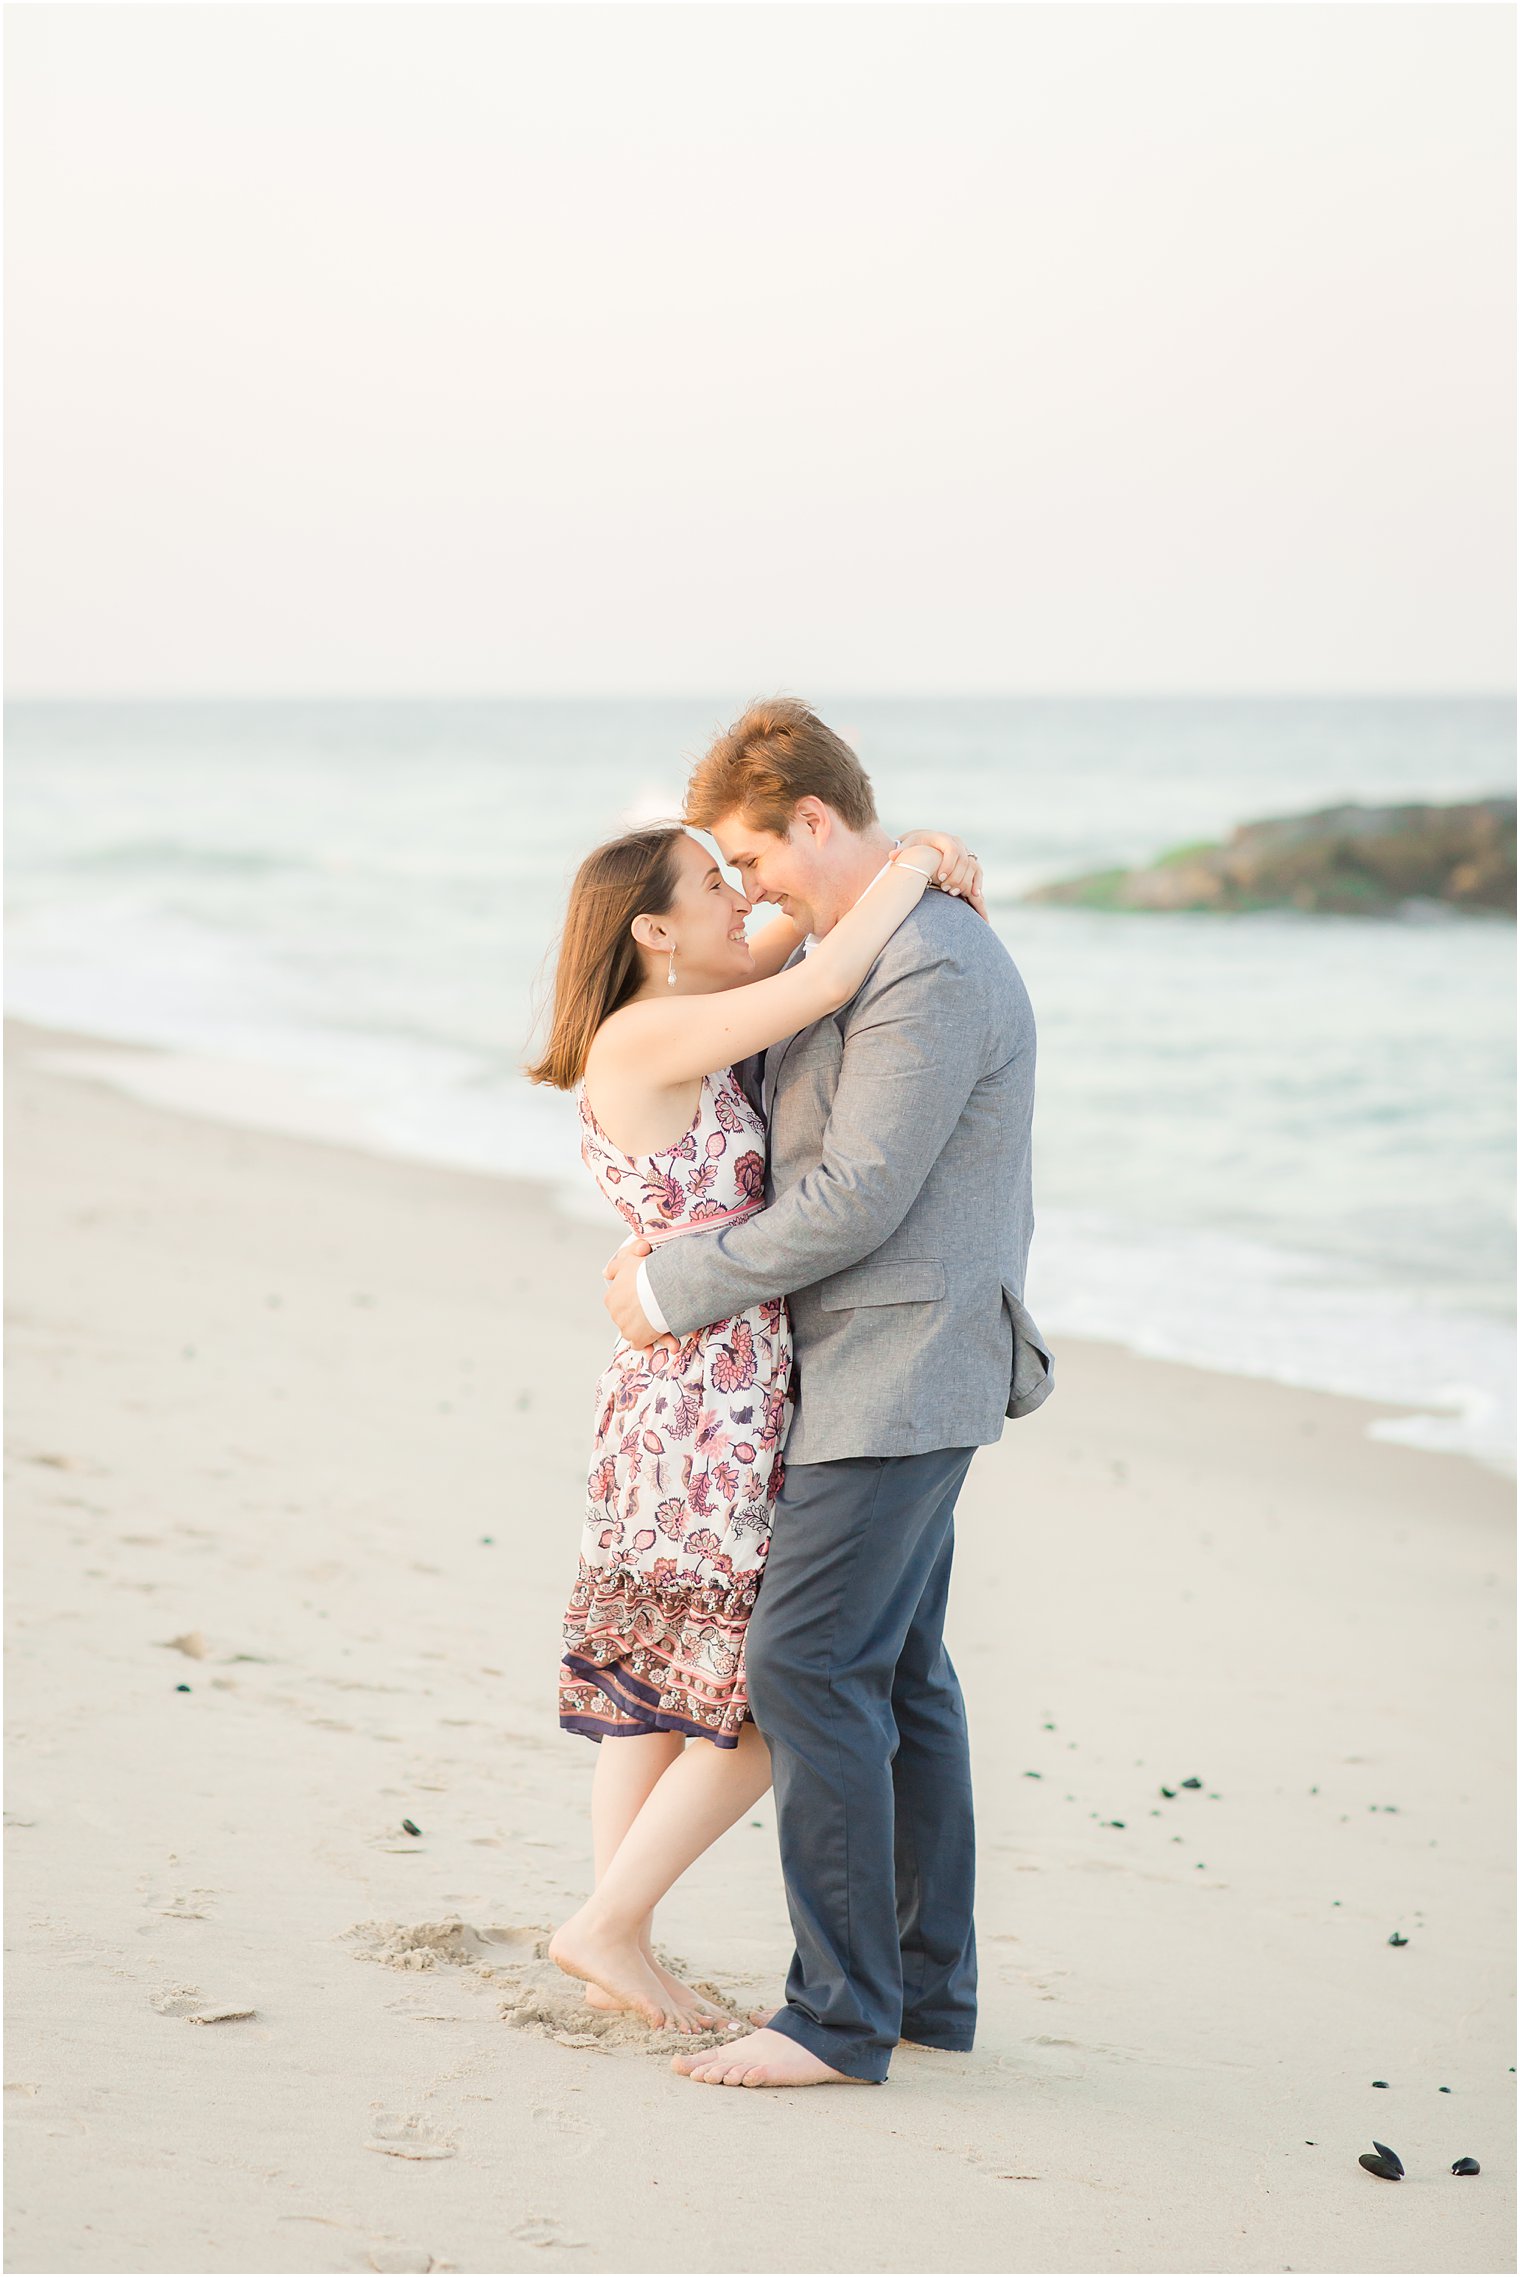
(670, 977)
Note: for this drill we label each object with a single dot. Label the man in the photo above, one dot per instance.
(897, 1223)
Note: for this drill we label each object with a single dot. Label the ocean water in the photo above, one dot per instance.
(1276, 1144)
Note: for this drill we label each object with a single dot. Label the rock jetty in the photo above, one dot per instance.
(1349, 861)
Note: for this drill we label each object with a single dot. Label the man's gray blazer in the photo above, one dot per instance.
(898, 1209)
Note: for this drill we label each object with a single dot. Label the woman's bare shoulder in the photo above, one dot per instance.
(618, 1034)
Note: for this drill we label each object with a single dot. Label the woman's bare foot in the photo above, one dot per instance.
(762, 2059)
(676, 1989)
(618, 1966)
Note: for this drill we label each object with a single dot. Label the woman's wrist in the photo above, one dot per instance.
(956, 871)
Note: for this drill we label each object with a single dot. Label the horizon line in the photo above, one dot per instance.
(708, 696)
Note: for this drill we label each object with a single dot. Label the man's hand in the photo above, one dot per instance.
(622, 1299)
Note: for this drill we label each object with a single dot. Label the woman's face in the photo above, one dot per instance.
(706, 922)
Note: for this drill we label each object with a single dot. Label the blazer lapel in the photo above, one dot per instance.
(773, 1059)
(750, 1075)
(778, 1051)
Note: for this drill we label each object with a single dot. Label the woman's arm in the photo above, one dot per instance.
(960, 873)
(670, 1043)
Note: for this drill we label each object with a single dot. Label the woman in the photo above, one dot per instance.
(658, 995)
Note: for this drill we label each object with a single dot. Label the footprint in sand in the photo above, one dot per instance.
(183, 1905)
(539, 2229)
(448, 1944)
(406, 2136)
(537, 1997)
(562, 2134)
(175, 1999)
(185, 2000)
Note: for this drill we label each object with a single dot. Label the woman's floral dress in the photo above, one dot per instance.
(686, 1460)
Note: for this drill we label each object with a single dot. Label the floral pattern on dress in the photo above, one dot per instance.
(686, 1459)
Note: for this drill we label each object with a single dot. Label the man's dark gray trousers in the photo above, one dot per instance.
(855, 1695)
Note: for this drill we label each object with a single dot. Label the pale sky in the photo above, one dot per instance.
(529, 349)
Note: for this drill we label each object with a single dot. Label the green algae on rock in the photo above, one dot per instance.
(1349, 861)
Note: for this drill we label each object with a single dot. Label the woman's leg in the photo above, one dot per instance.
(626, 1770)
(697, 1798)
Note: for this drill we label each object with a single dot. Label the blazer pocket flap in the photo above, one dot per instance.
(1033, 1363)
(884, 1281)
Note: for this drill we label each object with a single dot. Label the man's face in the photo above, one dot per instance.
(792, 871)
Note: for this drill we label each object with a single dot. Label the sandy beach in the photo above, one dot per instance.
(297, 1449)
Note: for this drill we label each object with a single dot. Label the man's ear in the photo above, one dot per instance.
(815, 818)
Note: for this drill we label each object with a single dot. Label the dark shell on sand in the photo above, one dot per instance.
(1467, 2166)
(1382, 2161)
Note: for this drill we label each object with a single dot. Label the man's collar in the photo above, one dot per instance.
(811, 942)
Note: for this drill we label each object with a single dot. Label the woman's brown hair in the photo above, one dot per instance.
(599, 965)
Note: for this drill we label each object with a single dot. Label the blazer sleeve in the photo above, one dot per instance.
(914, 1049)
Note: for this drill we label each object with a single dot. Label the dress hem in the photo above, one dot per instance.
(638, 1716)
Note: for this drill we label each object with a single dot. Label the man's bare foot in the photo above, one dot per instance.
(762, 2059)
(676, 1989)
(618, 1965)
(764, 2016)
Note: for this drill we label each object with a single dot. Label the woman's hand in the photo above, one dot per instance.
(959, 872)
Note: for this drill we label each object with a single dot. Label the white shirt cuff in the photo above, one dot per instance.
(652, 1312)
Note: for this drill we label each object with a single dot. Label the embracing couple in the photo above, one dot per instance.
(820, 1141)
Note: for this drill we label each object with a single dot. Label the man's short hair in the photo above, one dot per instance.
(778, 753)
